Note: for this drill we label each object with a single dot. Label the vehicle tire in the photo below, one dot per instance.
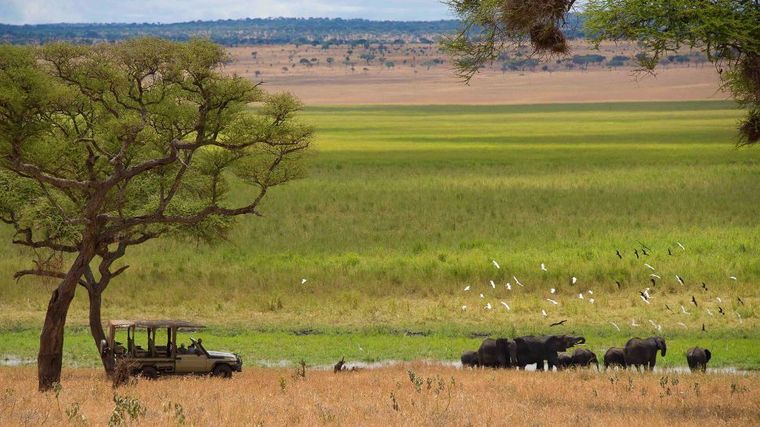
(222, 371)
(149, 373)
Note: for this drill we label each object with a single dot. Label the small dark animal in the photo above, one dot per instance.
(669, 252)
(694, 301)
(654, 282)
(470, 359)
(720, 310)
(740, 300)
(636, 252)
(561, 322)
(698, 358)
(618, 284)
(704, 286)
(669, 309)
(644, 251)
(617, 252)
(340, 366)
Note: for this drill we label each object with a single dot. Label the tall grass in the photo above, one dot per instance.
(412, 394)
(404, 206)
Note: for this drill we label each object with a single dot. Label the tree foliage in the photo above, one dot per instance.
(728, 31)
(490, 27)
(109, 146)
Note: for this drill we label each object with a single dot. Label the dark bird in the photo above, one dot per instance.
(644, 251)
(669, 252)
(669, 309)
(617, 252)
(561, 322)
(703, 328)
(636, 252)
(694, 301)
(680, 280)
(654, 282)
(618, 284)
(720, 310)
(740, 300)
(704, 286)
(643, 295)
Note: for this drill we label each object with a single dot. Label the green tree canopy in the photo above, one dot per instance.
(109, 146)
(728, 31)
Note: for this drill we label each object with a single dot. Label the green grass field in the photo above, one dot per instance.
(405, 206)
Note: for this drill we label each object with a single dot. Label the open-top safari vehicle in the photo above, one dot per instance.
(160, 354)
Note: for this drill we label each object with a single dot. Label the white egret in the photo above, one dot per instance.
(467, 288)
(543, 267)
(505, 305)
(495, 264)
(517, 281)
(552, 301)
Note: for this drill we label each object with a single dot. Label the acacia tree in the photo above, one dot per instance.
(726, 30)
(106, 147)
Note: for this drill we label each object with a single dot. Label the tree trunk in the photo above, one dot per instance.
(96, 327)
(50, 356)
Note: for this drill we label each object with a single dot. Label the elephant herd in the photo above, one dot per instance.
(528, 350)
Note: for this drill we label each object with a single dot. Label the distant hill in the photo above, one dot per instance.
(248, 31)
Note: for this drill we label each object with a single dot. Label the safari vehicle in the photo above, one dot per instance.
(165, 357)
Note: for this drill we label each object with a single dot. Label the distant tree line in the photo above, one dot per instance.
(322, 32)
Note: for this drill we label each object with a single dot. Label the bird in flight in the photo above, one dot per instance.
(543, 267)
(488, 306)
(644, 251)
(552, 301)
(683, 310)
(493, 285)
(615, 325)
(617, 283)
(517, 281)
(694, 301)
(681, 246)
(467, 288)
(552, 291)
(636, 252)
(668, 308)
(496, 264)
(561, 322)
(617, 252)
(505, 305)
(649, 266)
(508, 286)
(680, 280)
(740, 300)
(704, 286)
(720, 310)
(543, 313)
(573, 280)
(303, 281)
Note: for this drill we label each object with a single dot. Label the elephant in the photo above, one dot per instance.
(584, 358)
(471, 359)
(533, 349)
(698, 358)
(615, 356)
(564, 361)
(497, 353)
(643, 352)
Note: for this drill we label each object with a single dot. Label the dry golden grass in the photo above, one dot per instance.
(388, 396)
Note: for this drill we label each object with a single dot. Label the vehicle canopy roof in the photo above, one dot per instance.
(153, 324)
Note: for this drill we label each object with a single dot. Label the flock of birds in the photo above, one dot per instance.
(646, 295)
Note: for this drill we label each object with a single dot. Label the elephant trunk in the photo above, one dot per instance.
(663, 348)
(581, 340)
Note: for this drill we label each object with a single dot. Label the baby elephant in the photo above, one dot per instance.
(584, 358)
(471, 359)
(698, 358)
(615, 356)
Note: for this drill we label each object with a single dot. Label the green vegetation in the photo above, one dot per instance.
(405, 206)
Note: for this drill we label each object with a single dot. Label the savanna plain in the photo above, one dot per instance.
(405, 207)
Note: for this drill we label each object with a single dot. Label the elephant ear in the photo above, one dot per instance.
(708, 355)
(557, 342)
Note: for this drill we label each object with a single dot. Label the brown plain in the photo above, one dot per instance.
(387, 396)
(415, 79)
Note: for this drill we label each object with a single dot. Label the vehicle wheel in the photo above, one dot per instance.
(222, 371)
(149, 373)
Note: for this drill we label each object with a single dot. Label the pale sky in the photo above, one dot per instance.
(166, 11)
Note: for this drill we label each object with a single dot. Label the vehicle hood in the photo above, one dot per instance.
(221, 355)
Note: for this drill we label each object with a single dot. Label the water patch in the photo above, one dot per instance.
(11, 360)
